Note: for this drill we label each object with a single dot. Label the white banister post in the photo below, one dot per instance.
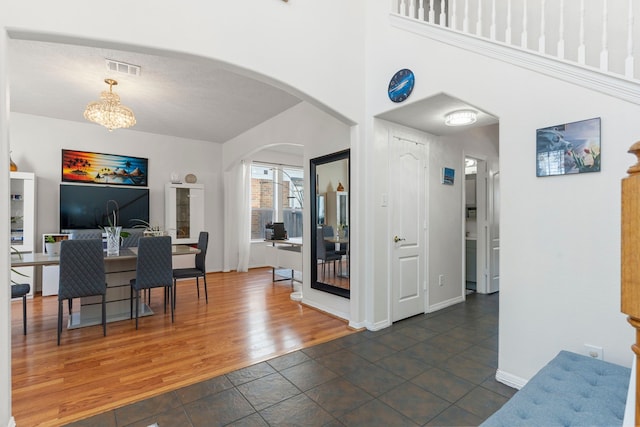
(507, 31)
(525, 36)
(432, 15)
(604, 53)
(412, 9)
(628, 64)
(421, 11)
(561, 32)
(479, 19)
(443, 15)
(454, 18)
(403, 7)
(492, 29)
(465, 20)
(581, 49)
(542, 41)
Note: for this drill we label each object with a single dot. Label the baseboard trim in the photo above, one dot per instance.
(12, 422)
(510, 380)
(444, 304)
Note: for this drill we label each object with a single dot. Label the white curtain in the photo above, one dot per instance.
(230, 243)
(237, 217)
(244, 210)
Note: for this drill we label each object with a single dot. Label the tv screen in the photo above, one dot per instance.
(85, 206)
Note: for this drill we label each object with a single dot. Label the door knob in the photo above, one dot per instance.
(398, 239)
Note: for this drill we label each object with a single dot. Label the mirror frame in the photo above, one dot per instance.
(313, 163)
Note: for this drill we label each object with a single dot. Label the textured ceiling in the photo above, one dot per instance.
(176, 97)
(184, 97)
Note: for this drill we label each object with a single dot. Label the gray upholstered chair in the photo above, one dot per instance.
(20, 290)
(200, 269)
(81, 275)
(323, 254)
(153, 270)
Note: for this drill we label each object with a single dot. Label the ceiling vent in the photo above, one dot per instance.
(123, 67)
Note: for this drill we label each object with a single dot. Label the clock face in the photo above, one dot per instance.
(401, 85)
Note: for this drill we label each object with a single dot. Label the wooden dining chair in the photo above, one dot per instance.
(153, 270)
(81, 275)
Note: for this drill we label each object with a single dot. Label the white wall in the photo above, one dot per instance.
(36, 144)
(560, 236)
(319, 134)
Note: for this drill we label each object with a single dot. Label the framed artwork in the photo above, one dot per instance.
(569, 148)
(448, 176)
(99, 168)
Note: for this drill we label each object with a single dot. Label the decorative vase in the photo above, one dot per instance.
(12, 166)
(113, 240)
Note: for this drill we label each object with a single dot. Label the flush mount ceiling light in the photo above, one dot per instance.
(108, 112)
(461, 118)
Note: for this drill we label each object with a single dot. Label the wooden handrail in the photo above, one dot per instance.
(630, 260)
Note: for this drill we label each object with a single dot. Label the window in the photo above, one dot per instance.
(276, 196)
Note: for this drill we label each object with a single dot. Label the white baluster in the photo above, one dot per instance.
(542, 42)
(465, 20)
(432, 13)
(525, 35)
(412, 9)
(479, 20)
(581, 49)
(507, 31)
(628, 64)
(561, 32)
(403, 7)
(454, 17)
(492, 29)
(604, 54)
(443, 15)
(421, 11)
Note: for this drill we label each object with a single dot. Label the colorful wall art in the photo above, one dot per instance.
(569, 148)
(99, 168)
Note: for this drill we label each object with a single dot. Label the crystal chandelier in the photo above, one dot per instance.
(108, 112)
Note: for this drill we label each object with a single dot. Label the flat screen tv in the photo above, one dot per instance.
(85, 206)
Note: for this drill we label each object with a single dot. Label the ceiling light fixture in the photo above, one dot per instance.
(108, 112)
(461, 118)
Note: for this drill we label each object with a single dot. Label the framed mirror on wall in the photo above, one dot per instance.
(330, 249)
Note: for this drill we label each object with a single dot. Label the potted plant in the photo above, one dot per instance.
(113, 231)
(52, 247)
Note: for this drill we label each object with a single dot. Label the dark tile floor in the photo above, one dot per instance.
(430, 370)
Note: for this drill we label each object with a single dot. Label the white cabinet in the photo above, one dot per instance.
(337, 203)
(184, 212)
(23, 221)
(51, 273)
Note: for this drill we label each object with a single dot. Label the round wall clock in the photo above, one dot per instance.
(401, 85)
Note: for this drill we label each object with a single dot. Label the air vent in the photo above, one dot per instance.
(123, 67)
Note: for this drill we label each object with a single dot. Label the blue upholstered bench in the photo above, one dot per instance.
(571, 390)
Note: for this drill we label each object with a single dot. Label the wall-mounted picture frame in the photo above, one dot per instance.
(569, 148)
(448, 176)
(100, 168)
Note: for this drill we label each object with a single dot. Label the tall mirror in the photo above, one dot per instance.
(330, 222)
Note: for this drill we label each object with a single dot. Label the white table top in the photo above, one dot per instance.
(293, 241)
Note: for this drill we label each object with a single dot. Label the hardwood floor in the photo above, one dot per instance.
(248, 319)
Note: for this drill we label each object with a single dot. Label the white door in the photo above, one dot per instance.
(408, 219)
(494, 236)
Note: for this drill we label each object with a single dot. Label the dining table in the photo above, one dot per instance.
(119, 270)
